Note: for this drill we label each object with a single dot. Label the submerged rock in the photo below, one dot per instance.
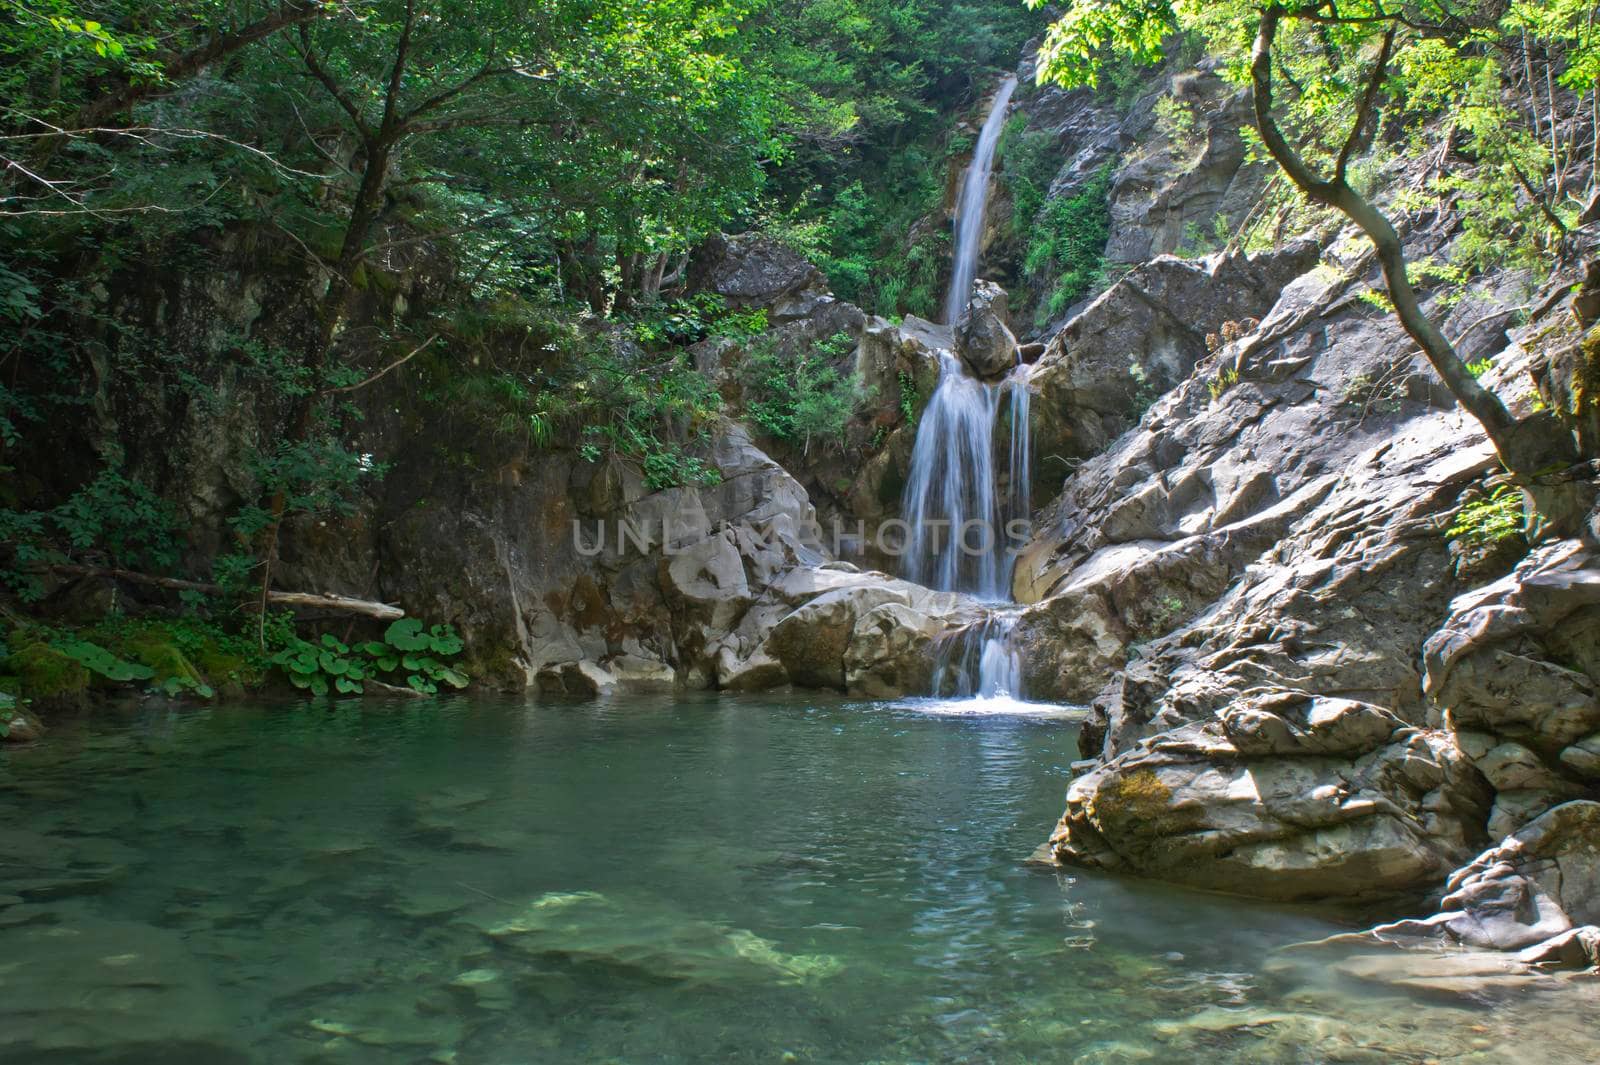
(652, 941)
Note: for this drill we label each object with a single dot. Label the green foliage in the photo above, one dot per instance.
(1066, 247)
(1080, 42)
(644, 412)
(1460, 75)
(908, 399)
(800, 395)
(877, 82)
(1028, 162)
(1489, 519)
(685, 321)
(112, 514)
(101, 662)
(1177, 120)
(408, 651)
(1225, 379)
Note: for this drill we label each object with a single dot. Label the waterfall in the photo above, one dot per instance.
(972, 205)
(980, 661)
(951, 505)
(954, 507)
(957, 506)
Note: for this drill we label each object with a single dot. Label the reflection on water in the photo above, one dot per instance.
(761, 879)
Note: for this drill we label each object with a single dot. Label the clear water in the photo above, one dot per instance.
(651, 881)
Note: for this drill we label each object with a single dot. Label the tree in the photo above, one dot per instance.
(1351, 67)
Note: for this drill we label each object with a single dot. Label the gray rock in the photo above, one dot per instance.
(1281, 795)
(983, 336)
(1537, 891)
(753, 271)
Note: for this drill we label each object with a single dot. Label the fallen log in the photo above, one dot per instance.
(303, 600)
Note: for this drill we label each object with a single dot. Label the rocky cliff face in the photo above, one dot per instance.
(1301, 684)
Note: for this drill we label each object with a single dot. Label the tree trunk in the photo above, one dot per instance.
(1538, 451)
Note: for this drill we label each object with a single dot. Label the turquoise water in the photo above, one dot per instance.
(651, 881)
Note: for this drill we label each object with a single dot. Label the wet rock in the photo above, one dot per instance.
(1538, 884)
(18, 725)
(983, 336)
(1469, 975)
(579, 680)
(812, 641)
(892, 652)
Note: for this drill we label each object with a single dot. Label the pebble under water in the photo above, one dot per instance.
(650, 880)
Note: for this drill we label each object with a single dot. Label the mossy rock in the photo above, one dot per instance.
(50, 680)
(163, 656)
(228, 672)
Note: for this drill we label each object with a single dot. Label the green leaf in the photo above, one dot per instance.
(444, 640)
(454, 677)
(406, 635)
(333, 664)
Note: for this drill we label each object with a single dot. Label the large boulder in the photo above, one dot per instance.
(1282, 795)
(750, 270)
(983, 336)
(1139, 339)
(1538, 891)
(1170, 191)
(1516, 670)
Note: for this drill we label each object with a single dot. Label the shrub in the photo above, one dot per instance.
(1066, 247)
(799, 396)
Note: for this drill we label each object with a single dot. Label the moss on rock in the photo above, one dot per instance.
(50, 680)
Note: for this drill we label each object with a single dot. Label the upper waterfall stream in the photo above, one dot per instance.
(973, 206)
(958, 507)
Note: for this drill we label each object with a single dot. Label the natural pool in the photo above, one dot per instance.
(654, 880)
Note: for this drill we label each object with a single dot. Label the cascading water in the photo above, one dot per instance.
(981, 661)
(957, 507)
(972, 206)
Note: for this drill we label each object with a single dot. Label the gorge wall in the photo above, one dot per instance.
(1301, 685)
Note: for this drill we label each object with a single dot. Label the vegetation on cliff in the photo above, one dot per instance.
(1339, 88)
